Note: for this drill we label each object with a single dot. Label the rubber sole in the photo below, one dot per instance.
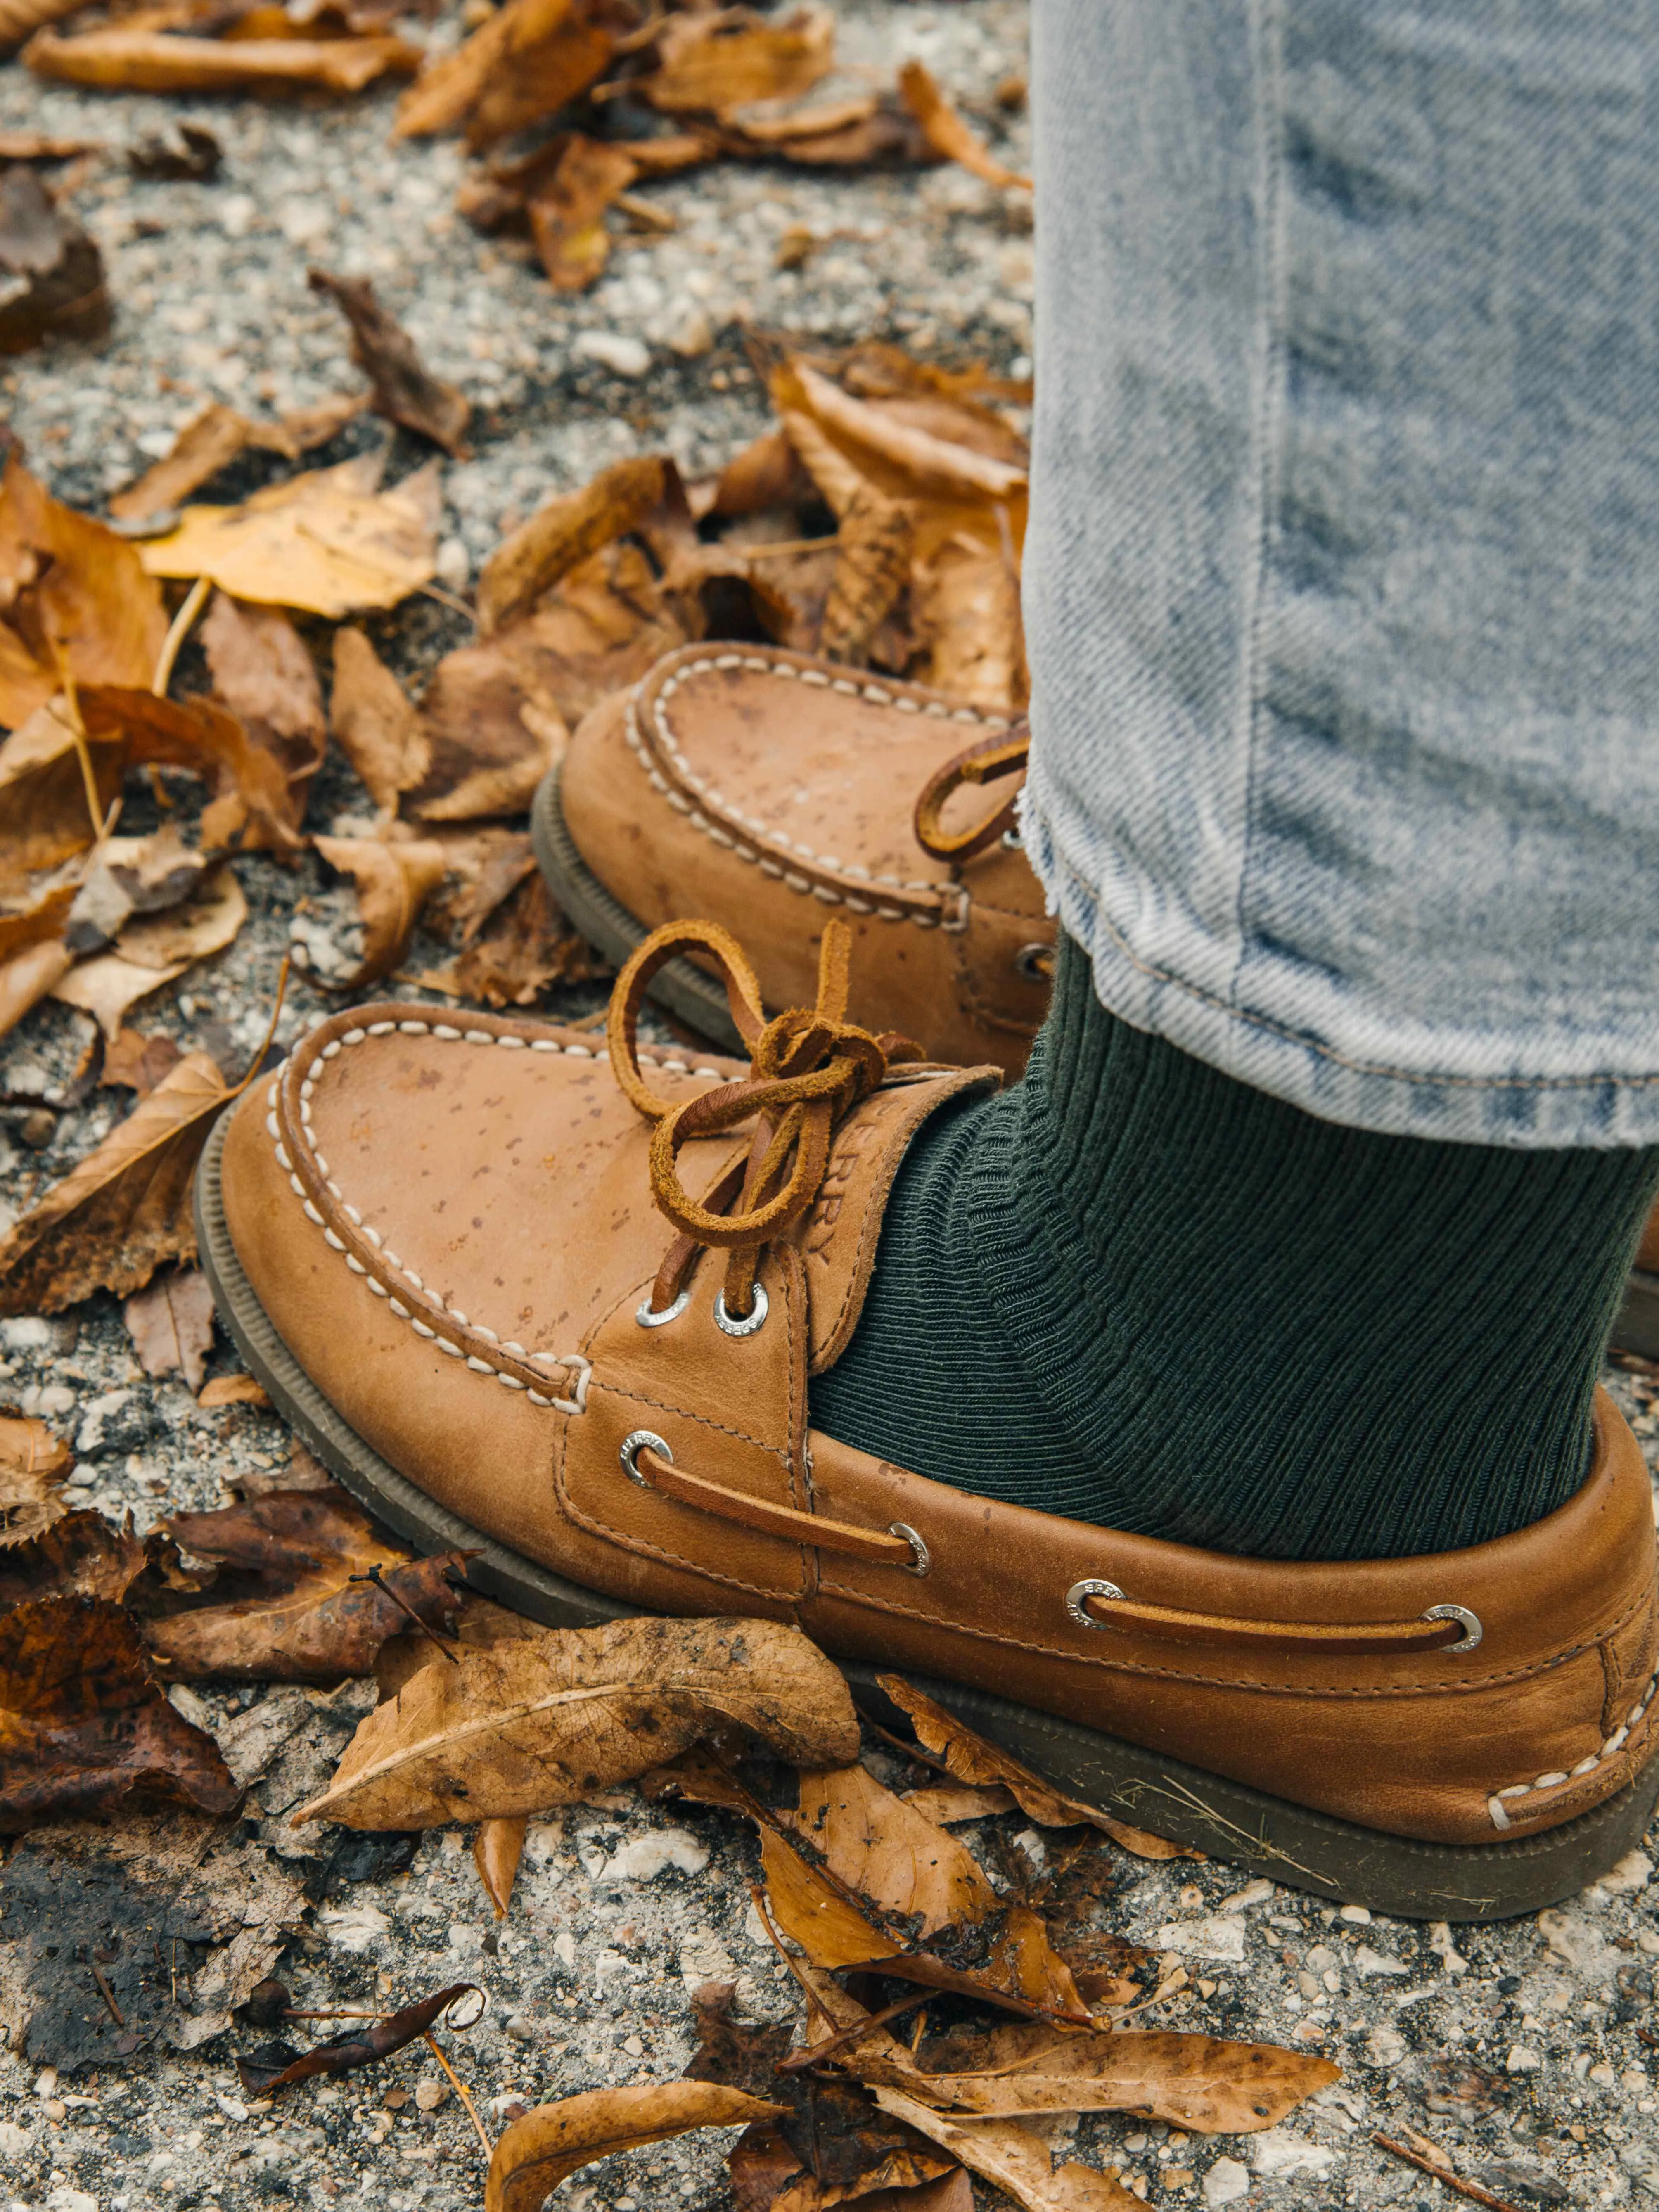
(605, 921)
(1264, 1835)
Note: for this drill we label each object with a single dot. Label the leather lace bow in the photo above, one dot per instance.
(807, 1069)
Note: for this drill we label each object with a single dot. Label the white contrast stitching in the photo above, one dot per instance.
(1500, 1800)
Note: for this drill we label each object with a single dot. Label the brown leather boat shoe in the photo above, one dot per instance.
(561, 1305)
(697, 793)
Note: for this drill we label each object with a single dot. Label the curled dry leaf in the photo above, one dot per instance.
(966, 612)
(327, 541)
(568, 530)
(170, 1324)
(153, 949)
(497, 1847)
(252, 798)
(126, 1209)
(52, 271)
(84, 1730)
(527, 945)
(946, 132)
(946, 1803)
(545, 1721)
(292, 1600)
(882, 1847)
(713, 63)
(128, 876)
(528, 60)
(536, 2152)
(32, 1464)
(18, 18)
(65, 578)
(1014, 2159)
(402, 388)
(155, 54)
(971, 1760)
(192, 156)
(82, 1555)
(375, 721)
(360, 2045)
(212, 440)
(873, 554)
(394, 882)
(29, 976)
(232, 1390)
(491, 731)
(136, 1062)
(743, 2057)
(263, 673)
(566, 211)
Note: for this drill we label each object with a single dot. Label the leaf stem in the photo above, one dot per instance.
(178, 631)
(461, 2092)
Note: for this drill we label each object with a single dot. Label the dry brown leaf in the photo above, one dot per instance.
(39, 922)
(535, 2153)
(26, 978)
(51, 274)
(966, 612)
(32, 1463)
(18, 18)
(170, 1322)
(149, 57)
(1014, 2159)
(526, 61)
(568, 530)
(882, 1847)
(767, 473)
(533, 1723)
(134, 1061)
(527, 945)
(375, 721)
(65, 578)
(212, 440)
(43, 145)
(713, 62)
(108, 987)
(43, 792)
(872, 568)
(84, 1729)
(252, 799)
(394, 882)
(363, 2044)
(327, 541)
(293, 1600)
(945, 1803)
(402, 388)
(124, 1210)
(893, 453)
(840, 134)
(497, 1847)
(946, 132)
(263, 673)
(192, 156)
(155, 950)
(128, 876)
(566, 212)
(82, 1555)
(235, 1390)
(491, 733)
(1194, 2081)
(983, 1765)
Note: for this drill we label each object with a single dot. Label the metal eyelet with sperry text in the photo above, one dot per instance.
(923, 1559)
(1472, 1632)
(741, 1324)
(1080, 1593)
(649, 1315)
(633, 1444)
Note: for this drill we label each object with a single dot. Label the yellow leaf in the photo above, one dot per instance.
(536, 2152)
(945, 131)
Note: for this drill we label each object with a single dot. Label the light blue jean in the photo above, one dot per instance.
(1342, 587)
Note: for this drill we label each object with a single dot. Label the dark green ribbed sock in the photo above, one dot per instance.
(1136, 1291)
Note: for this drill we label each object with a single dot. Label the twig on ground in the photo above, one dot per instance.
(461, 2092)
(1472, 2190)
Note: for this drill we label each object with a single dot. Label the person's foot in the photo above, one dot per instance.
(527, 1301)
(698, 793)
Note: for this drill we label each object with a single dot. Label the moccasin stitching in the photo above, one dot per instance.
(1499, 1803)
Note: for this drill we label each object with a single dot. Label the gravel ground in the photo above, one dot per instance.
(1521, 2048)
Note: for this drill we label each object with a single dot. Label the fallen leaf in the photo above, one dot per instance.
(252, 799)
(295, 1597)
(236, 1390)
(326, 541)
(1011, 2159)
(946, 132)
(84, 1730)
(965, 611)
(895, 453)
(264, 674)
(108, 987)
(985, 1766)
(885, 1848)
(1194, 2081)
(491, 731)
(82, 1555)
(527, 945)
(393, 883)
(946, 1803)
(127, 875)
(529, 59)
(766, 474)
(154, 950)
(545, 1721)
(402, 388)
(374, 721)
(154, 58)
(27, 977)
(497, 1847)
(211, 441)
(194, 157)
(360, 2045)
(718, 62)
(136, 1062)
(873, 553)
(743, 2057)
(566, 212)
(126, 1209)
(567, 531)
(170, 1324)
(32, 1463)
(51, 274)
(66, 579)
(535, 2153)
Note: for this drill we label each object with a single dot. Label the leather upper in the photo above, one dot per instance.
(450, 1225)
(766, 790)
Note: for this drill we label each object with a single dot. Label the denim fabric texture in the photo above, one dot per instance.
(1342, 588)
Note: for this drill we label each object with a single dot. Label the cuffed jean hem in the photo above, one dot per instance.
(1340, 1061)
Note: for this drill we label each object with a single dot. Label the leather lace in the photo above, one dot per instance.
(807, 1069)
(986, 761)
